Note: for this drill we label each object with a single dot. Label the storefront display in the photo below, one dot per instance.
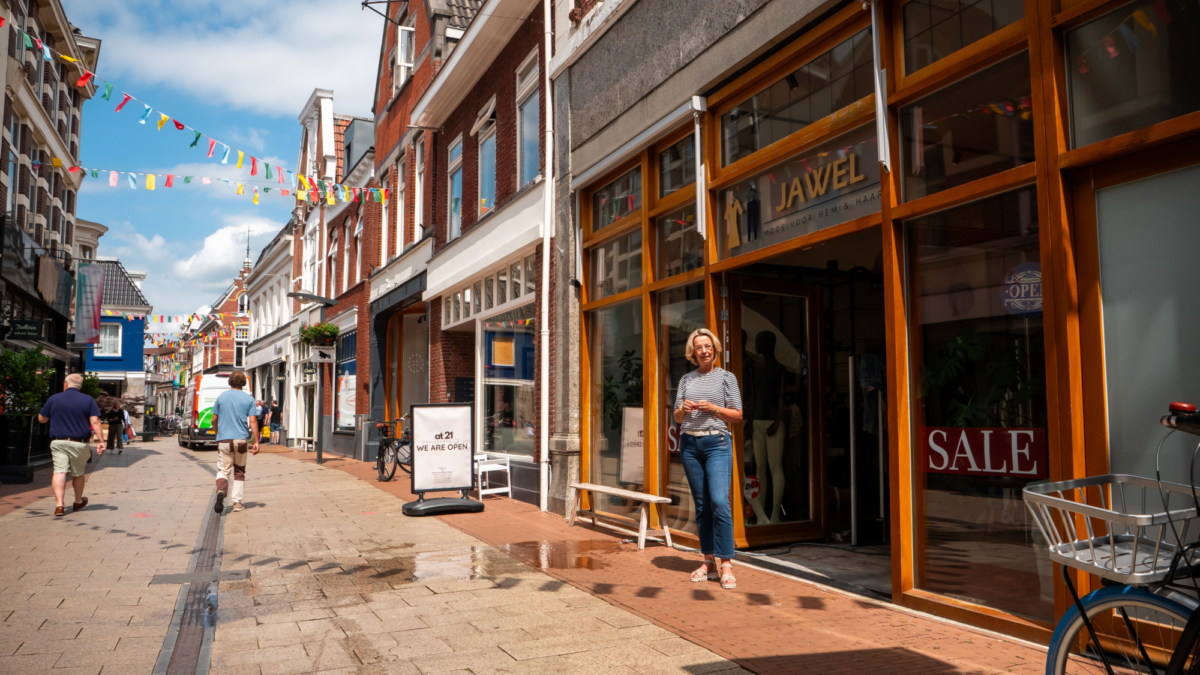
(508, 382)
(346, 381)
(615, 338)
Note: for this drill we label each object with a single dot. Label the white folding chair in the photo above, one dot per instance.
(483, 465)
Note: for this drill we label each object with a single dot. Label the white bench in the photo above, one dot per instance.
(653, 500)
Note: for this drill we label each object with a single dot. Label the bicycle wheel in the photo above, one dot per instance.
(404, 457)
(1138, 632)
(387, 461)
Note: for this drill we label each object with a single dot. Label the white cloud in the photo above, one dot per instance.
(260, 55)
(253, 138)
(183, 277)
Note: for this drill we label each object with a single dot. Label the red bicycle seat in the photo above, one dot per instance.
(1181, 407)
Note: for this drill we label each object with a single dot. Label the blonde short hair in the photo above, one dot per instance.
(690, 350)
(75, 381)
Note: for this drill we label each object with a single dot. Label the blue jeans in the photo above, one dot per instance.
(708, 464)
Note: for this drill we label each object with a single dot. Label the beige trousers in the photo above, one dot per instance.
(231, 458)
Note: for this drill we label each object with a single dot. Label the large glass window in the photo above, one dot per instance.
(617, 448)
(680, 311)
(677, 166)
(935, 29)
(814, 91)
(1131, 68)
(975, 295)
(680, 246)
(110, 340)
(974, 128)
(509, 356)
(616, 266)
(616, 200)
(346, 385)
(487, 173)
(528, 122)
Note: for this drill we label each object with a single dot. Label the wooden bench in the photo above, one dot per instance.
(653, 500)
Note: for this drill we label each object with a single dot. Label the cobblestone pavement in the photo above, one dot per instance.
(75, 592)
(337, 580)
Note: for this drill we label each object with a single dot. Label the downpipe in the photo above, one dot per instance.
(547, 221)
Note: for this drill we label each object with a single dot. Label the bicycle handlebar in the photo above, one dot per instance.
(1182, 417)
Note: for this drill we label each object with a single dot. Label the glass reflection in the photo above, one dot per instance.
(617, 450)
(680, 311)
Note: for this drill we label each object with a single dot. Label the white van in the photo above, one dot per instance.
(201, 394)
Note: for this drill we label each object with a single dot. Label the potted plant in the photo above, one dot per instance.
(24, 387)
(319, 334)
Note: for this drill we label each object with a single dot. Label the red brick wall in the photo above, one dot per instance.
(451, 355)
(499, 80)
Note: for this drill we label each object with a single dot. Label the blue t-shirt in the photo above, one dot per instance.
(70, 414)
(231, 410)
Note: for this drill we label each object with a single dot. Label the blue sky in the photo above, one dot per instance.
(240, 70)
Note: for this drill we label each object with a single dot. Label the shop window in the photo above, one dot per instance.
(616, 200)
(974, 128)
(833, 183)
(979, 376)
(475, 297)
(501, 287)
(457, 307)
(680, 311)
(1131, 68)
(812, 92)
(509, 356)
(680, 246)
(515, 279)
(466, 296)
(677, 166)
(616, 445)
(616, 266)
(528, 120)
(488, 284)
(530, 274)
(347, 346)
(935, 29)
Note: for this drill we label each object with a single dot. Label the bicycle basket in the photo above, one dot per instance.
(1114, 526)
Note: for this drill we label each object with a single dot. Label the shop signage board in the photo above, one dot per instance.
(633, 447)
(310, 369)
(27, 329)
(443, 442)
(1010, 452)
(831, 184)
(1021, 291)
(324, 354)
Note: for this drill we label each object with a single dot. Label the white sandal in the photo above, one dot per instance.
(733, 580)
(706, 575)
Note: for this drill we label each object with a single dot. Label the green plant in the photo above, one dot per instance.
(630, 384)
(91, 385)
(321, 334)
(986, 388)
(24, 380)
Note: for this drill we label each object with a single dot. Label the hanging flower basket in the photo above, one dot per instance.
(319, 335)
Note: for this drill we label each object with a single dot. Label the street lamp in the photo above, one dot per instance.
(324, 303)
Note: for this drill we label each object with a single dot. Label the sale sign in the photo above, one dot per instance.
(986, 451)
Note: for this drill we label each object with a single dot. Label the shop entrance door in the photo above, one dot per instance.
(774, 346)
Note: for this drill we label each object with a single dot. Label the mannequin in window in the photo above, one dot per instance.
(769, 411)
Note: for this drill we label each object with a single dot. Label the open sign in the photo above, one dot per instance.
(1021, 291)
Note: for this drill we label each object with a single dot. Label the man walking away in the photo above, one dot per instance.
(73, 417)
(262, 414)
(234, 420)
(276, 420)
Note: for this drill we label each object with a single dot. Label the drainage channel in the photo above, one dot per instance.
(187, 648)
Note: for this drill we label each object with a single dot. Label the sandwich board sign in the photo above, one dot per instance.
(443, 457)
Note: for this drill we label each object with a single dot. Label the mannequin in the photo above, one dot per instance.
(769, 425)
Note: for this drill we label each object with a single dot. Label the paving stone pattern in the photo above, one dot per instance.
(75, 592)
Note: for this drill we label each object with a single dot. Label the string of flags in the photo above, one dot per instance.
(305, 188)
(176, 318)
(1125, 29)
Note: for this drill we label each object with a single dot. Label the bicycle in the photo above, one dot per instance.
(393, 451)
(1144, 618)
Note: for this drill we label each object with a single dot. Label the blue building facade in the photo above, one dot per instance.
(118, 360)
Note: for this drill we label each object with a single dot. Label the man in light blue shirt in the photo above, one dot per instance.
(234, 421)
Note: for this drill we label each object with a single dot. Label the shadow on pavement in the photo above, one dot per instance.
(892, 660)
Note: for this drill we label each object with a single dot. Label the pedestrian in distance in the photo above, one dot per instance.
(276, 421)
(262, 413)
(707, 402)
(73, 417)
(235, 421)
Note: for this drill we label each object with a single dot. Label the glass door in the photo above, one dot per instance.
(773, 349)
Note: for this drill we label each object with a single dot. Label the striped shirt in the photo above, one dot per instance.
(717, 386)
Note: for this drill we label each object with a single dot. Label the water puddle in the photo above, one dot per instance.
(562, 555)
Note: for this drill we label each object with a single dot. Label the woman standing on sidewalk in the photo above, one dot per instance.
(707, 402)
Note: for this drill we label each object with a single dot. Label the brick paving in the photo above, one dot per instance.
(75, 592)
(770, 624)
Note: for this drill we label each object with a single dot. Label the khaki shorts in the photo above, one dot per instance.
(70, 457)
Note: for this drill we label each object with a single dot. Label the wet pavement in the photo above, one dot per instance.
(323, 574)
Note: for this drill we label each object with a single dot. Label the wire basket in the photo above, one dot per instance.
(1114, 526)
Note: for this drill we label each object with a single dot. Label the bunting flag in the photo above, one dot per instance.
(179, 126)
(108, 89)
(133, 180)
(162, 119)
(255, 196)
(83, 79)
(127, 99)
(268, 168)
(144, 115)
(253, 165)
(225, 157)
(194, 140)
(1126, 29)
(170, 180)
(149, 181)
(240, 155)
(112, 179)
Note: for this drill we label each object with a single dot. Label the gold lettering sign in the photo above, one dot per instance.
(825, 186)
